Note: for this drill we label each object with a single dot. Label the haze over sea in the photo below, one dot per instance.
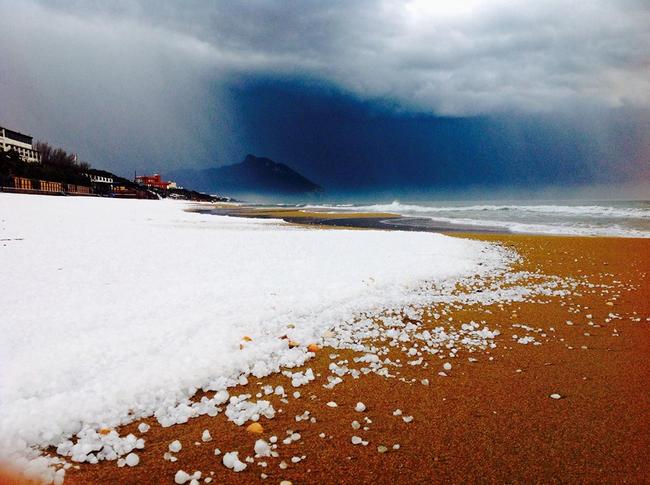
(576, 217)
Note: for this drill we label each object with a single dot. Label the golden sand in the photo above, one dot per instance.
(488, 421)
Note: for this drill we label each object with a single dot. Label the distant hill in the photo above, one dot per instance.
(253, 175)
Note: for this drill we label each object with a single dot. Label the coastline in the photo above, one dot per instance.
(491, 420)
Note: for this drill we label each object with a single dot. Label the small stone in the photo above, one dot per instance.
(356, 440)
(382, 449)
(175, 446)
(555, 396)
(332, 404)
(356, 425)
(205, 437)
(446, 366)
(360, 407)
(143, 427)
(255, 428)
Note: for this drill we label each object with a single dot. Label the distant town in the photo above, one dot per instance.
(38, 168)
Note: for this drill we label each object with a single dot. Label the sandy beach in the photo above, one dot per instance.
(490, 419)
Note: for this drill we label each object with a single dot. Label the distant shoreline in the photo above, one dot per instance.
(353, 220)
(385, 221)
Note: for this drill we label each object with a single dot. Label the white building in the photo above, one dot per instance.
(99, 179)
(22, 144)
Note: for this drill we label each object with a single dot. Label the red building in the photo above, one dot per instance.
(154, 180)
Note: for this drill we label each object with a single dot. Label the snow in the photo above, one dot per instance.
(113, 310)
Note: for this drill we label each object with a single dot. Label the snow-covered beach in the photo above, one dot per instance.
(115, 309)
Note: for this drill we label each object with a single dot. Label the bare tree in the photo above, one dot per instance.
(58, 157)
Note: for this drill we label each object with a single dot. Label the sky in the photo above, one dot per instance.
(358, 95)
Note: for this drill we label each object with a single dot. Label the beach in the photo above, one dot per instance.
(487, 421)
(521, 360)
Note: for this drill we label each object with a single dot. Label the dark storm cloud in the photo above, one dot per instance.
(346, 144)
(145, 83)
(452, 58)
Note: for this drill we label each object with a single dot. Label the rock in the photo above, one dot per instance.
(143, 427)
(255, 428)
(332, 404)
(175, 446)
(555, 396)
(446, 366)
(356, 440)
(360, 407)
(205, 437)
(382, 449)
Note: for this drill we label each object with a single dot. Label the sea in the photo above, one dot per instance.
(579, 218)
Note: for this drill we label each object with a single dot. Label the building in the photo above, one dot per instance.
(22, 144)
(99, 179)
(155, 181)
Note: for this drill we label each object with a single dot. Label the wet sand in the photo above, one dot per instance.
(488, 421)
(352, 220)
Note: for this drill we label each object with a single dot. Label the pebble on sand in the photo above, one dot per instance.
(255, 428)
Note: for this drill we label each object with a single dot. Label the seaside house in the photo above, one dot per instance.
(154, 181)
(21, 143)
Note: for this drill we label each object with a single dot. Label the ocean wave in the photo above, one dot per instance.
(567, 229)
(595, 211)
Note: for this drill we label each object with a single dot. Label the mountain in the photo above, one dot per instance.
(253, 175)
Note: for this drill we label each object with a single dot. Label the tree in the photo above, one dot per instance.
(56, 157)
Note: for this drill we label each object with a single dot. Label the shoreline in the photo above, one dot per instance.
(378, 220)
(490, 420)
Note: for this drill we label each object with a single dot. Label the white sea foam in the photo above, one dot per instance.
(581, 220)
(597, 211)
